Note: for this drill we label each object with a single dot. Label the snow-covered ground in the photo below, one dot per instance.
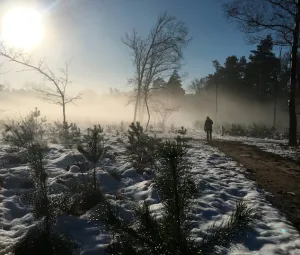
(278, 147)
(221, 182)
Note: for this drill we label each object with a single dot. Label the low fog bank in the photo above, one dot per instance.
(233, 109)
(88, 110)
(112, 109)
(230, 110)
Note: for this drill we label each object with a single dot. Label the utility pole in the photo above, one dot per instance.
(276, 89)
(216, 101)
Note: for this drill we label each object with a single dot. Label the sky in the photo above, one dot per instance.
(88, 32)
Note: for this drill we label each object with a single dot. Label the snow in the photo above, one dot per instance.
(221, 183)
(278, 147)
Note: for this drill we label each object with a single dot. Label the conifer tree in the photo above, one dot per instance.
(174, 85)
(43, 238)
(171, 234)
(141, 147)
(94, 148)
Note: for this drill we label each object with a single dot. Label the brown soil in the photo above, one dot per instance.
(272, 173)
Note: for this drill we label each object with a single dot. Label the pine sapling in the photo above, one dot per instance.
(43, 238)
(26, 131)
(67, 134)
(141, 147)
(182, 131)
(171, 234)
(94, 148)
(176, 190)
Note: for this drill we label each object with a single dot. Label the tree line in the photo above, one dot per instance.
(262, 75)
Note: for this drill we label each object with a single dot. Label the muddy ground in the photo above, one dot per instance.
(271, 172)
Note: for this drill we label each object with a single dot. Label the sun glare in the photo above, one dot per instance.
(22, 28)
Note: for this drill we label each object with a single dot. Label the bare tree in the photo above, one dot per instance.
(163, 111)
(198, 85)
(156, 55)
(280, 17)
(57, 93)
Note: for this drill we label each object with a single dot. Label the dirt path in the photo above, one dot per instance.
(272, 173)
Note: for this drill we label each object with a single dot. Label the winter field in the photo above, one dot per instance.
(221, 183)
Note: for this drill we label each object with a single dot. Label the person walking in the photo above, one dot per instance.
(208, 128)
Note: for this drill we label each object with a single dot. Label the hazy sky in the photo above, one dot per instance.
(90, 31)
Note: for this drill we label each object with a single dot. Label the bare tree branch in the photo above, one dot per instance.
(163, 111)
(57, 94)
(257, 16)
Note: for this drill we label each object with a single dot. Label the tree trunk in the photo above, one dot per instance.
(135, 110)
(148, 111)
(137, 103)
(292, 106)
(216, 101)
(275, 105)
(276, 89)
(64, 113)
(95, 182)
(142, 111)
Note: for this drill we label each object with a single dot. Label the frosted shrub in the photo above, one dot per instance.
(26, 131)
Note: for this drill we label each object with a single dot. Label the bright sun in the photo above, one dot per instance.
(22, 28)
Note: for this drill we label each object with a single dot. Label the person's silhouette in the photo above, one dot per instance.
(208, 128)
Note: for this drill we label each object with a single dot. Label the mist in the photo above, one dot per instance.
(104, 109)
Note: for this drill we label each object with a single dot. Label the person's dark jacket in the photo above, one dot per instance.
(208, 124)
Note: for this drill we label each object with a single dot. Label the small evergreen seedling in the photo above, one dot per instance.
(172, 233)
(94, 148)
(67, 134)
(25, 132)
(43, 238)
(182, 131)
(141, 147)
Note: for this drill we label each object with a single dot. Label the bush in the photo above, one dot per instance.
(182, 131)
(237, 130)
(141, 147)
(64, 133)
(38, 241)
(261, 131)
(82, 196)
(256, 130)
(151, 129)
(25, 132)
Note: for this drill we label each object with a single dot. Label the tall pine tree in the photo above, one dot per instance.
(174, 85)
(263, 68)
